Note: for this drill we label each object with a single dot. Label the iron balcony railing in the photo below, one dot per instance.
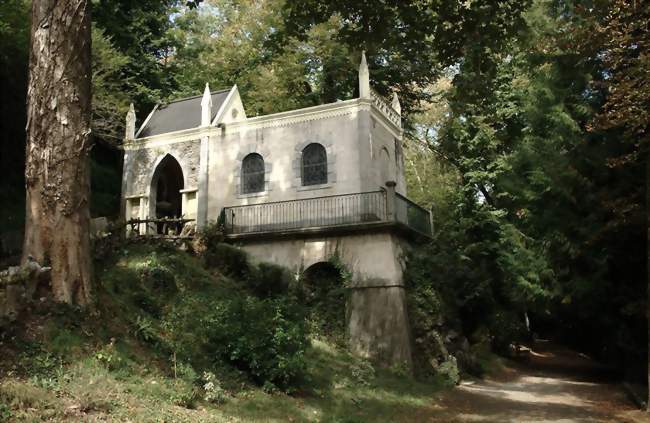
(335, 210)
(325, 212)
(412, 215)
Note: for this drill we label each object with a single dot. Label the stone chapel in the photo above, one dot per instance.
(294, 188)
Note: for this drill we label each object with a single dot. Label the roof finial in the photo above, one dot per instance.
(364, 77)
(206, 106)
(395, 104)
(130, 124)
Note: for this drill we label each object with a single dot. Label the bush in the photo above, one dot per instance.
(506, 327)
(267, 338)
(209, 237)
(266, 280)
(230, 260)
(322, 288)
(5, 412)
(213, 392)
(449, 370)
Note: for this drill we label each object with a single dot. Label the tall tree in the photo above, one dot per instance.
(58, 144)
(409, 43)
(623, 32)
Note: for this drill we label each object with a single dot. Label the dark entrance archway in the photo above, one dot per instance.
(166, 186)
(325, 297)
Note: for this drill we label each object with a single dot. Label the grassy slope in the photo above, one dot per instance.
(103, 367)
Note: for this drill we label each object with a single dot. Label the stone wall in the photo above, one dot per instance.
(140, 164)
(377, 317)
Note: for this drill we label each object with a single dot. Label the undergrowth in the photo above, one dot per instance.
(172, 339)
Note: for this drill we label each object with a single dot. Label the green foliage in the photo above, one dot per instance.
(449, 369)
(267, 280)
(144, 329)
(138, 30)
(229, 259)
(409, 43)
(110, 103)
(270, 345)
(210, 236)
(213, 392)
(109, 357)
(5, 412)
(323, 288)
(506, 327)
(175, 309)
(263, 279)
(537, 213)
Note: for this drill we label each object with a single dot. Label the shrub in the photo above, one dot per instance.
(213, 392)
(230, 260)
(209, 237)
(449, 370)
(267, 280)
(184, 395)
(506, 327)
(144, 330)
(266, 338)
(109, 358)
(5, 413)
(362, 373)
(322, 288)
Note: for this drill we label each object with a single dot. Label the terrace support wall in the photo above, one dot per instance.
(376, 312)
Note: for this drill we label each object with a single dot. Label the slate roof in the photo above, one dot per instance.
(180, 114)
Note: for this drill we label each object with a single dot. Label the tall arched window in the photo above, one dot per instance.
(252, 174)
(314, 165)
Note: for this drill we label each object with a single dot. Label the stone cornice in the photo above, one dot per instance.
(294, 117)
(276, 120)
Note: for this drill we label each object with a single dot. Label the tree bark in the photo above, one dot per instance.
(58, 144)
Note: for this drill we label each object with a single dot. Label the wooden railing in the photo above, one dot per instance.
(172, 227)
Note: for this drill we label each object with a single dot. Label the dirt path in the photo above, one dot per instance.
(556, 385)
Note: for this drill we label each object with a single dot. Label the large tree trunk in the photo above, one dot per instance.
(58, 143)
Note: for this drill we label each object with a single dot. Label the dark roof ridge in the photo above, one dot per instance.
(180, 114)
(194, 96)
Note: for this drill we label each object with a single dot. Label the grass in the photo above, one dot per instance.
(88, 391)
(64, 365)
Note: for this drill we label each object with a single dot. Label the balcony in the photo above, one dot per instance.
(342, 213)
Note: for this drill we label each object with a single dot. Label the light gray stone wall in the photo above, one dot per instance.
(280, 139)
(354, 134)
(388, 140)
(140, 164)
(377, 318)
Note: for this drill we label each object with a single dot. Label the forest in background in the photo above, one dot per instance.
(526, 132)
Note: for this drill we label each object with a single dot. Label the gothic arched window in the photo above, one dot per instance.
(314, 165)
(252, 174)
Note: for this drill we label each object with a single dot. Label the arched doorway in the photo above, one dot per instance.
(166, 186)
(325, 297)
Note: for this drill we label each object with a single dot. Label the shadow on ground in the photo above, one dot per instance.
(555, 385)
